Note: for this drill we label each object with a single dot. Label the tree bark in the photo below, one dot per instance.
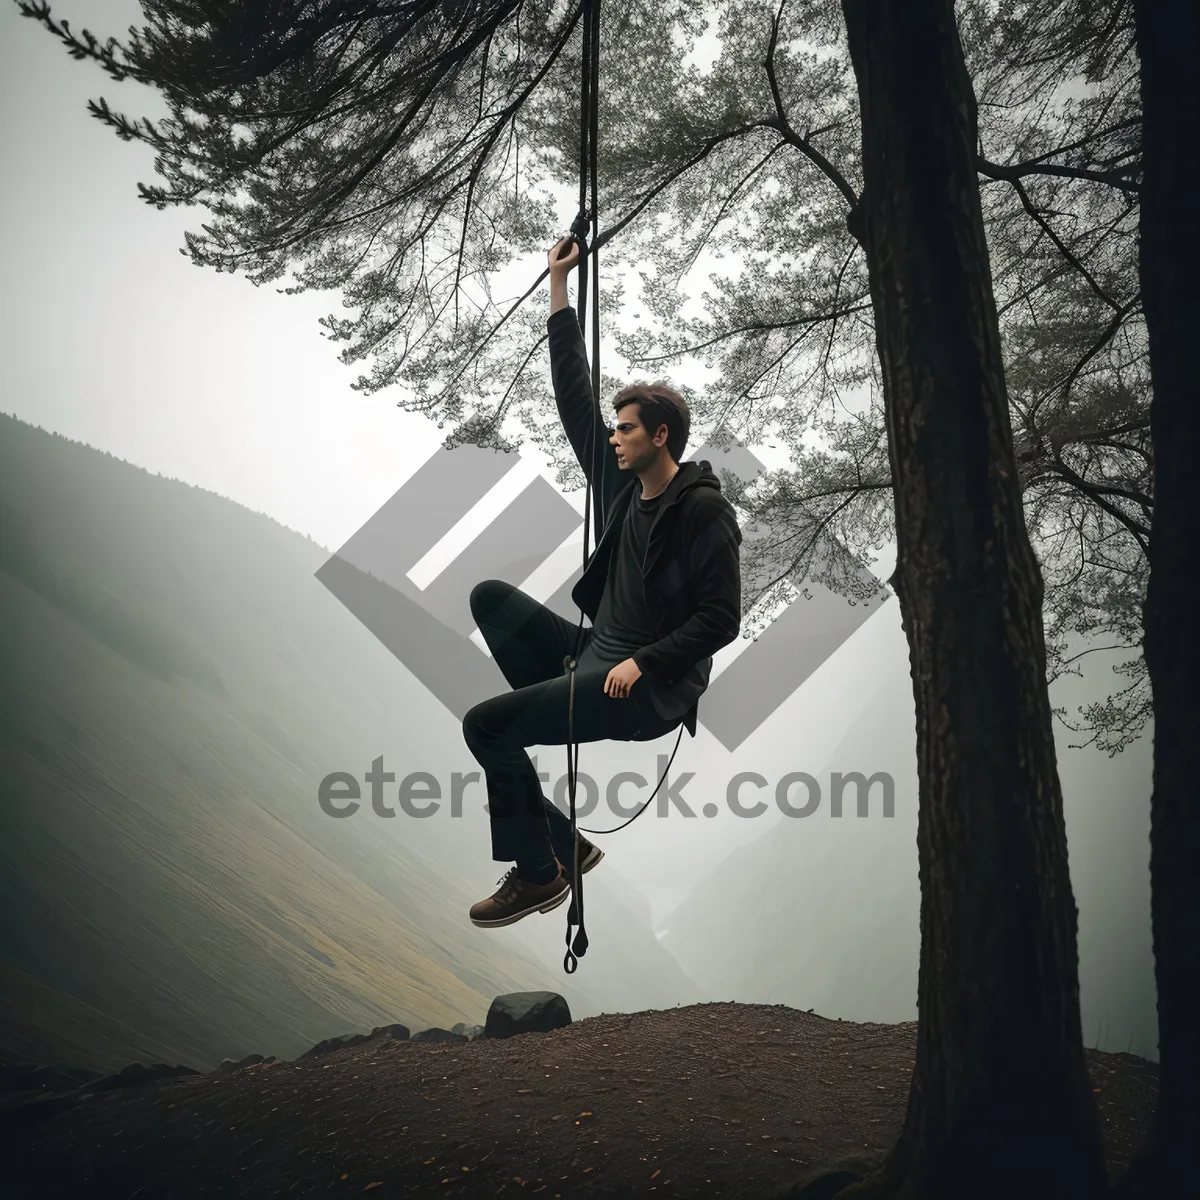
(1167, 36)
(1001, 1102)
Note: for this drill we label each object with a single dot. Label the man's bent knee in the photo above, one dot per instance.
(479, 721)
(471, 725)
(487, 594)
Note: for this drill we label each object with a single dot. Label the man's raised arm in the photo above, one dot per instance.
(558, 280)
(571, 376)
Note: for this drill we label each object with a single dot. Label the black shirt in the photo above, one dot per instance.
(623, 623)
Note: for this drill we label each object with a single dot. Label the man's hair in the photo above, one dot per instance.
(659, 404)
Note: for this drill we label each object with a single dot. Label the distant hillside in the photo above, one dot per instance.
(177, 683)
(840, 921)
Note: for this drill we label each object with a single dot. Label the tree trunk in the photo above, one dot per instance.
(1001, 1103)
(1167, 36)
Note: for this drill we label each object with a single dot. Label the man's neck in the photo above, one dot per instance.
(654, 481)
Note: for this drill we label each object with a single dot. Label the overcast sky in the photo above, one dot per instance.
(113, 338)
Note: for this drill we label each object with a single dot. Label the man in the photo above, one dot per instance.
(662, 591)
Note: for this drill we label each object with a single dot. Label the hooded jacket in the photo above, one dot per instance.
(691, 571)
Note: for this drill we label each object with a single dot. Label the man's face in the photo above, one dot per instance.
(632, 444)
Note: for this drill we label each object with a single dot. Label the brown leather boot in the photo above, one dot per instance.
(518, 898)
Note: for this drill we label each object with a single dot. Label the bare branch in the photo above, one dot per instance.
(1045, 226)
(1105, 337)
(757, 327)
(1017, 171)
(780, 122)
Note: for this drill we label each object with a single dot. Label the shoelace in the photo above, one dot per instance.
(508, 880)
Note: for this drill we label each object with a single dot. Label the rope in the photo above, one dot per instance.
(589, 103)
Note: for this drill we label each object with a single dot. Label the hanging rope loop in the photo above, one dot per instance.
(586, 219)
(589, 100)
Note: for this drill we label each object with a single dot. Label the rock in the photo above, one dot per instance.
(526, 1012)
(397, 1033)
(229, 1064)
(329, 1045)
(470, 1032)
(434, 1034)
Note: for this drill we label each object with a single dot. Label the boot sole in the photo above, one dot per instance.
(546, 907)
(589, 863)
(593, 860)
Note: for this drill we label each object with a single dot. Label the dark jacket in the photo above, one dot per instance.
(691, 572)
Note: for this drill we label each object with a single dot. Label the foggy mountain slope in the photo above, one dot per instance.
(770, 932)
(178, 683)
(824, 913)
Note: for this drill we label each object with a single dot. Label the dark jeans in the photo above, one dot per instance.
(529, 642)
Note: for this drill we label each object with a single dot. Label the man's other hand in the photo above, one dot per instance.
(621, 678)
